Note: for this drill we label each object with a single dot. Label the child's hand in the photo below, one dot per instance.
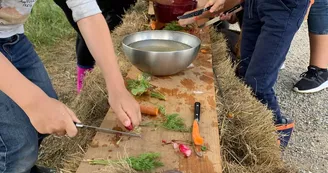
(126, 108)
(217, 5)
(230, 17)
(49, 116)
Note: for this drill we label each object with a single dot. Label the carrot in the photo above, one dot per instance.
(204, 51)
(153, 25)
(230, 115)
(198, 140)
(153, 111)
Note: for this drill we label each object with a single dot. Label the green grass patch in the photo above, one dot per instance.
(47, 24)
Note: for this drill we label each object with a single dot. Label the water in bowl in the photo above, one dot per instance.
(159, 45)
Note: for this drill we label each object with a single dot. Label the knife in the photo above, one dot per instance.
(195, 13)
(196, 121)
(235, 9)
(79, 125)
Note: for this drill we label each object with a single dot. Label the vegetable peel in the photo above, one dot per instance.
(185, 150)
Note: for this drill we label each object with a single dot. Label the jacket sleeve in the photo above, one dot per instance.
(83, 8)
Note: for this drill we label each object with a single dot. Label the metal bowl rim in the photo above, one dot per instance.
(179, 32)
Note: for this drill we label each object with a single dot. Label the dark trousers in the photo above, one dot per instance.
(267, 31)
(113, 12)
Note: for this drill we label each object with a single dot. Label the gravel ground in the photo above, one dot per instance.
(308, 148)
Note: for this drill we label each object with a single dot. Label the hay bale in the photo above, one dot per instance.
(135, 20)
(248, 136)
(92, 104)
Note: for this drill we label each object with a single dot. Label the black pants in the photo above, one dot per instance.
(112, 10)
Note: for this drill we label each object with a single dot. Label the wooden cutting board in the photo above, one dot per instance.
(182, 91)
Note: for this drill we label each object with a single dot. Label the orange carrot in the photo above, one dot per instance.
(153, 25)
(198, 140)
(230, 115)
(149, 110)
(204, 51)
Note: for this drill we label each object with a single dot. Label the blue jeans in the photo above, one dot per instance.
(318, 18)
(267, 31)
(19, 141)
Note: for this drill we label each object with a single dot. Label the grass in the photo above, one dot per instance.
(143, 162)
(47, 24)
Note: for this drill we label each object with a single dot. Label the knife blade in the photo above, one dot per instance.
(195, 13)
(107, 130)
(235, 9)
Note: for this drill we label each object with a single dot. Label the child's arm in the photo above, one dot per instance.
(46, 115)
(96, 34)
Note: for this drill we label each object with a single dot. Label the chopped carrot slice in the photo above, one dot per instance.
(149, 110)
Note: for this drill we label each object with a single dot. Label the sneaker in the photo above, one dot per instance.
(285, 129)
(314, 80)
(41, 169)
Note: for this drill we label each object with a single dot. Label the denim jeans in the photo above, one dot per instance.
(267, 31)
(318, 18)
(19, 141)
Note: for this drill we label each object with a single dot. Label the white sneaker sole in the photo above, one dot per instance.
(319, 88)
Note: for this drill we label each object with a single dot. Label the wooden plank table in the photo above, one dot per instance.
(182, 91)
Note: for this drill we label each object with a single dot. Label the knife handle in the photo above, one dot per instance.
(78, 124)
(197, 111)
(195, 13)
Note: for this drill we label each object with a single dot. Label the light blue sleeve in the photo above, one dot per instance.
(83, 8)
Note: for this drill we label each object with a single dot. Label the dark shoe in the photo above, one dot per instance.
(285, 129)
(314, 80)
(41, 169)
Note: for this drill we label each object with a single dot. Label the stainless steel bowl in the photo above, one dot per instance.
(161, 63)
